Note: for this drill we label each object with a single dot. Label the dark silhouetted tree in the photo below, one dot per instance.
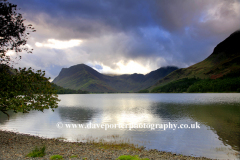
(21, 90)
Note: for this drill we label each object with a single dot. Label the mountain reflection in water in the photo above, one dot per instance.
(217, 114)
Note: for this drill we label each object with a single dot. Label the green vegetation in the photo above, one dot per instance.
(25, 91)
(225, 59)
(61, 90)
(227, 83)
(21, 90)
(177, 86)
(129, 157)
(37, 152)
(84, 77)
(216, 85)
(115, 145)
(114, 142)
(56, 157)
(143, 91)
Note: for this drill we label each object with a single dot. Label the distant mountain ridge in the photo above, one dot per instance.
(86, 78)
(223, 63)
(225, 60)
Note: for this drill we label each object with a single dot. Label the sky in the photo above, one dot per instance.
(124, 36)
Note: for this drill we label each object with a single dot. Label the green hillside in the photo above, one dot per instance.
(83, 77)
(61, 90)
(215, 70)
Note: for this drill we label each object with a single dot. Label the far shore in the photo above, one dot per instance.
(17, 146)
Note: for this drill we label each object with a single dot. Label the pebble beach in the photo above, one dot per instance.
(15, 146)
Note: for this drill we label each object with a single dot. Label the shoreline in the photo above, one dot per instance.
(17, 146)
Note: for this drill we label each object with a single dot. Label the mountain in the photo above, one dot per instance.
(61, 90)
(85, 78)
(222, 63)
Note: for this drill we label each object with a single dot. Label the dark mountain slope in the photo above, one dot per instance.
(84, 77)
(230, 46)
(224, 60)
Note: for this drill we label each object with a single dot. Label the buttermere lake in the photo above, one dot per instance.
(206, 124)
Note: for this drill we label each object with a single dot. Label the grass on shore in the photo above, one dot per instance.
(37, 152)
(129, 157)
(56, 157)
(110, 142)
(114, 142)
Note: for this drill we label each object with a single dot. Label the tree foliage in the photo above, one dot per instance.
(13, 34)
(21, 90)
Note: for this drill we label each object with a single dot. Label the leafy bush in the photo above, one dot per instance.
(56, 157)
(129, 157)
(37, 152)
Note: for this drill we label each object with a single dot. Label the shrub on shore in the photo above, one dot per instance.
(56, 157)
(129, 157)
(37, 152)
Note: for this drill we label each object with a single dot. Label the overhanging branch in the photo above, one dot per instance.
(5, 113)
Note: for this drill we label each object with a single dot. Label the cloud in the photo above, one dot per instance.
(176, 15)
(122, 68)
(116, 34)
(53, 43)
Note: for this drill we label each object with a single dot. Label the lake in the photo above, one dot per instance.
(202, 124)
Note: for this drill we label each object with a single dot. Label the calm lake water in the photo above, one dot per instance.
(215, 133)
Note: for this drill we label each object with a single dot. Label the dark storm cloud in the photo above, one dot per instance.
(153, 33)
(177, 15)
(89, 18)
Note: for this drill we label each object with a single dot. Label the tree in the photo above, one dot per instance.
(12, 31)
(21, 90)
